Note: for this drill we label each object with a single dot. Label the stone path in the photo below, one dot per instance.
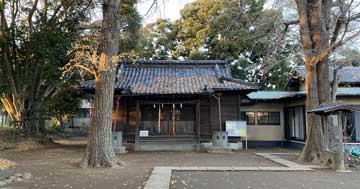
(160, 177)
(287, 163)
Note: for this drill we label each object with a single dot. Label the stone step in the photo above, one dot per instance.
(168, 139)
(220, 150)
(120, 150)
(167, 147)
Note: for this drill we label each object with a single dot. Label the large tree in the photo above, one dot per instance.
(99, 151)
(35, 36)
(158, 40)
(242, 32)
(251, 35)
(97, 52)
(324, 26)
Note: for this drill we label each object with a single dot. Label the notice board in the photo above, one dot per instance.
(236, 128)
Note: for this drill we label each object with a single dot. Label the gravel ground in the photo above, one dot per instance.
(265, 180)
(57, 166)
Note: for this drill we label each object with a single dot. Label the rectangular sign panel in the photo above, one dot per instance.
(236, 128)
(144, 133)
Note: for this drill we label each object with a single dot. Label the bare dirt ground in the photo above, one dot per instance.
(56, 166)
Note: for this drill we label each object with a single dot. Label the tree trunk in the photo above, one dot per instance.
(313, 149)
(314, 36)
(99, 151)
(339, 156)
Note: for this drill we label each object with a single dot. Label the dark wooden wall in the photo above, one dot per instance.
(209, 113)
(209, 119)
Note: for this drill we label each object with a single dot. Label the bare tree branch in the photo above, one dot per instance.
(287, 24)
(151, 7)
(325, 54)
(92, 71)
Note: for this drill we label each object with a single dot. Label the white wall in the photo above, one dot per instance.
(265, 132)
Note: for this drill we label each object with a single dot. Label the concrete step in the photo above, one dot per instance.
(167, 147)
(168, 139)
(220, 150)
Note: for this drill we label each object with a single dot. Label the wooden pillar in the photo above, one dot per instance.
(210, 129)
(238, 107)
(173, 120)
(340, 166)
(117, 101)
(125, 128)
(218, 98)
(198, 123)
(137, 125)
(326, 132)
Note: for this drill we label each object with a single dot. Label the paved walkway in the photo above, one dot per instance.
(322, 179)
(160, 177)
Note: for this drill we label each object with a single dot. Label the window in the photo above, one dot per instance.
(274, 118)
(249, 117)
(262, 118)
(83, 113)
(268, 118)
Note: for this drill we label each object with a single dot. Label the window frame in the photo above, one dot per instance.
(268, 118)
(246, 118)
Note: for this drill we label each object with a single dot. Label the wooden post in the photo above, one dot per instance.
(173, 119)
(210, 129)
(198, 123)
(218, 98)
(326, 132)
(159, 120)
(125, 117)
(116, 112)
(238, 107)
(137, 125)
(340, 165)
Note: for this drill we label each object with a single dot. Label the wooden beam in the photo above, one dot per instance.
(170, 102)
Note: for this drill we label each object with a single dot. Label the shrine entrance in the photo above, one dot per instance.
(168, 119)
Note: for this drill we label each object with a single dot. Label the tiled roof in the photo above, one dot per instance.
(347, 74)
(276, 95)
(175, 77)
(197, 62)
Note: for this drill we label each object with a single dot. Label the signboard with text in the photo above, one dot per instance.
(236, 128)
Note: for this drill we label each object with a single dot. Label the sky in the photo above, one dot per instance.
(169, 9)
